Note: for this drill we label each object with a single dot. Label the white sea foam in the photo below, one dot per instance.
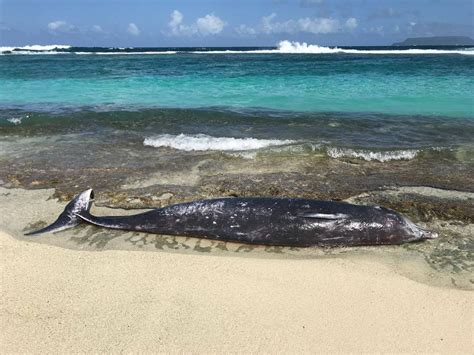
(287, 47)
(15, 120)
(34, 49)
(248, 148)
(284, 47)
(53, 49)
(248, 154)
(126, 53)
(202, 142)
(370, 155)
(33, 53)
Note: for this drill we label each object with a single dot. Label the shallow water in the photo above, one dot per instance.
(366, 103)
(367, 136)
(147, 130)
(445, 262)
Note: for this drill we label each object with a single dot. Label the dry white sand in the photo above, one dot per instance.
(58, 300)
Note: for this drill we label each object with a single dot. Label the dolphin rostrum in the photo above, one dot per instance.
(268, 221)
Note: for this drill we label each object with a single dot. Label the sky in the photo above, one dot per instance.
(165, 23)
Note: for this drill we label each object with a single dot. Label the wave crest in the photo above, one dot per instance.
(35, 48)
(297, 47)
(248, 147)
(284, 47)
(371, 155)
(203, 142)
(288, 47)
(126, 53)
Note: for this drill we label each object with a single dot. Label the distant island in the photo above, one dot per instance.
(437, 41)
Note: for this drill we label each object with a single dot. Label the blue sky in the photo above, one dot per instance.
(229, 23)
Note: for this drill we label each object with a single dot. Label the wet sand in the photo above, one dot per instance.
(132, 292)
(94, 290)
(445, 262)
(60, 300)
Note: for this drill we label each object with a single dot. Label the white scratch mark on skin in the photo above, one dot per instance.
(328, 225)
(325, 215)
(333, 238)
(362, 225)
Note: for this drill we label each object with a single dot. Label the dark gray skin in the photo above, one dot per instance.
(267, 221)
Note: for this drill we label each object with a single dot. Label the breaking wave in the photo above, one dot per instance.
(35, 49)
(284, 47)
(203, 142)
(126, 53)
(250, 146)
(368, 155)
(287, 47)
(15, 120)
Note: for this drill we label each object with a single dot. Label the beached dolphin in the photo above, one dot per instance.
(268, 221)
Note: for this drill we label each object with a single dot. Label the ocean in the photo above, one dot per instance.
(147, 127)
(369, 102)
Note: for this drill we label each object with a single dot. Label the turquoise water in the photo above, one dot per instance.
(428, 84)
(368, 103)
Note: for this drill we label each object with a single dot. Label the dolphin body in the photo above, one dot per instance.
(267, 221)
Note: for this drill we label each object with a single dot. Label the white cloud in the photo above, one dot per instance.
(266, 24)
(245, 30)
(60, 26)
(315, 25)
(133, 29)
(175, 23)
(56, 25)
(351, 23)
(207, 25)
(318, 25)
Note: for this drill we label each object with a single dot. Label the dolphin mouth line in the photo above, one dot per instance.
(420, 232)
(429, 234)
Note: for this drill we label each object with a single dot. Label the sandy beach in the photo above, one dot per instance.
(245, 133)
(59, 300)
(93, 290)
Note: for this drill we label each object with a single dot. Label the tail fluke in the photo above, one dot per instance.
(69, 218)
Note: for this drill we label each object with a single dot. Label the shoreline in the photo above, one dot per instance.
(445, 262)
(131, 301)
(151, 131)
